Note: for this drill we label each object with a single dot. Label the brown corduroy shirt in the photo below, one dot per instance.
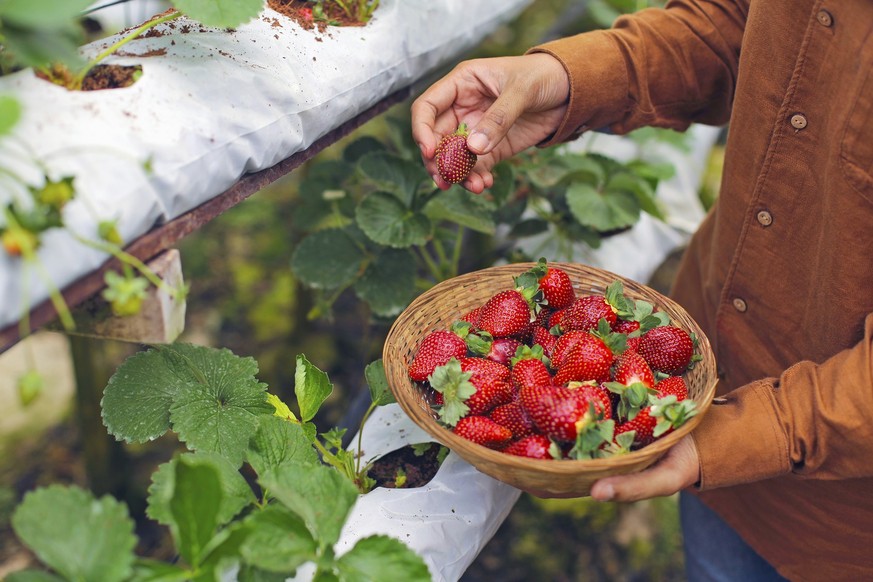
(780, 273)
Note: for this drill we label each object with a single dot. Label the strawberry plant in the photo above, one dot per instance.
(289, 514)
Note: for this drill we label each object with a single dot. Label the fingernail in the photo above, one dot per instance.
(606, 493)
(477, 141)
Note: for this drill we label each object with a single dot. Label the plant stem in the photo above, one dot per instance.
(83, 72)
(428, 260)
(367, 414)
(456, 252)
(57, 299)
(128, 259)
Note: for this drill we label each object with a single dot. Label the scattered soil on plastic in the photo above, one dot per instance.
(412, 467)
(100, 77)
(301, 12)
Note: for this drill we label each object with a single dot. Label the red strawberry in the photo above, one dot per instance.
(454, 160)
(560, 412)
(667, 349)
(484, 431)
(501, 350)
(472, 317)
(557, 288)
(595, 392)
(492, 382)
(630, 368)
(530, 372)
(586, 311)
(541, 337)
(674, 385)
(506, 314)
(564, 344)
(436, 349)
(625, 326)
(513, 417)
(633, 344)
(661, 417)
(535, 446)
(589, 359)
(556, 318)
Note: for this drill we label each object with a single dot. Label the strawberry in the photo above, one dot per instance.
(626, 326)
(454, 160)
(630, 368)
(484, 431)
(472, 316)
(556, 318)
(505, 314)
(541, 337)
(530, 371)
(436, 349)
(586, 311)
(492, 382)
(560, 412)
(555, 285)
(500, 350)
(513, 417)
(674, 385)
(565, 342)
(589, 359)
(535, 446)
(657, 419)
(667, 349)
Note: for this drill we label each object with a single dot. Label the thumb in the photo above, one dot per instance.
(497, 121)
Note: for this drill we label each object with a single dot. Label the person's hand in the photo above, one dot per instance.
(678, 469)
(508, 103)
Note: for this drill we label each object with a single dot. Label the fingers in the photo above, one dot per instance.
(496, 122)
(432, 105)
(677, 470)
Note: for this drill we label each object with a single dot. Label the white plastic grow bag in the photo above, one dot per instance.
(211, 106)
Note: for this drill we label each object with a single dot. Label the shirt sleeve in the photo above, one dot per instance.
(814, 421)
(660, 67)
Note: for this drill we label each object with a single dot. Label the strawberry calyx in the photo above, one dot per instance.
(593, 431)
(455, 387)
(672, 413)
(525, 352)
(632, 398)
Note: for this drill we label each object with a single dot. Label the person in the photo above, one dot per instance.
(777, 481)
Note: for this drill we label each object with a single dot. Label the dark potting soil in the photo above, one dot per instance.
(407, 467)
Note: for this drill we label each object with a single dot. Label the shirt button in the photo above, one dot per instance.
(824, 18)
(765, 218)
(798, 121)
(740, 305)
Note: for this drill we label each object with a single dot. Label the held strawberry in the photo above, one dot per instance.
(454, 160)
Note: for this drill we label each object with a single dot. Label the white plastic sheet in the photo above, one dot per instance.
(211, 106)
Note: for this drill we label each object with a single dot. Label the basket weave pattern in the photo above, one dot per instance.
(446, 302)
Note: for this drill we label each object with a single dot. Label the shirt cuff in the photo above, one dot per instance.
(740, 440)
(598, 83)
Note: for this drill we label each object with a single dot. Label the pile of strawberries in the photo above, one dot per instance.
(540, 372)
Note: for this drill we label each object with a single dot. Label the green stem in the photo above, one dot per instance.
(367, 414)
(428, 260)
(443, 257)
(83, 72)
(128, 259)
(24, 322)
(456, 252)
(57, 299)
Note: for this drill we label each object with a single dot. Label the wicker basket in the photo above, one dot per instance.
(446, 302)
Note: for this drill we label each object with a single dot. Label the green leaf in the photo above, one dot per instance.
(42, 14)
(312, 387)
(10, 113)
(327, 259)
(653, 172)
(136, 402)
(504, 183)
(147, 570)
(361, 147)
(380, 392)
(462, 207)
(78, 536)
(388, 284)
(31, 47)
(220, 13)
(388, 221)
(583, 168)
(279, 542)
(529, 227)
(194, 508)
(391, 173)
(236, 493)
(278, 442)
(380, 557)
(599, 211)
(640, 188)
(218, 409)
(318, 494)
(33, 576)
